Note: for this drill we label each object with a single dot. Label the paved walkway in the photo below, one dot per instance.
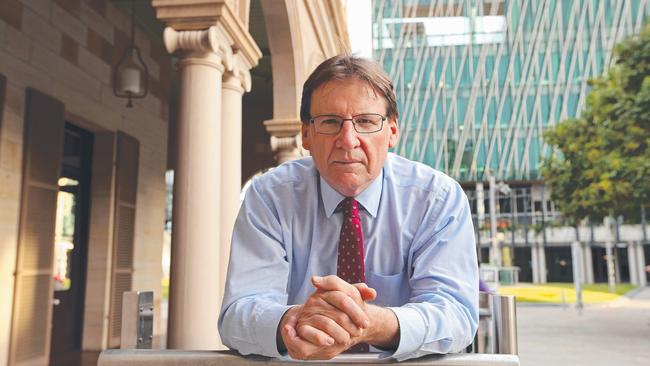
(614, 334)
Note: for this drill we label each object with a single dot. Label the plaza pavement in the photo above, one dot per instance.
(613, 334)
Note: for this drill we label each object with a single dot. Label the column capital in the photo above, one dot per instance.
(191, 15)
(287, 148)
(239, 77)
(199, 42)
(286, 138)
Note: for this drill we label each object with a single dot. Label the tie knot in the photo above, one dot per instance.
(350, 207)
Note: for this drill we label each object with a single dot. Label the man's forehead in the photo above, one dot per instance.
(329, 98)
(331, 87)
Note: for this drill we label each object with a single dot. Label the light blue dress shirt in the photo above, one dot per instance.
(420, 255)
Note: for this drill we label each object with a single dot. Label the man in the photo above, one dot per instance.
(353, 246)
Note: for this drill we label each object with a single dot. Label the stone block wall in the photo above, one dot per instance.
(67, 48)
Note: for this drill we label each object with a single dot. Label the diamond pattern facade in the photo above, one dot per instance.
(478, 82)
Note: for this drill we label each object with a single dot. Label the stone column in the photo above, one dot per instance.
(637, 263)
(235, 82)
(632, 263)
(541, 257)
(640, 265)
(583, 269)
(589, 265)
(194, 308)
(203, 34)
(538, 258)
(535, 262)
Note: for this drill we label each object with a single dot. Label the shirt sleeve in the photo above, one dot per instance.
(255, 296)
(442, 313)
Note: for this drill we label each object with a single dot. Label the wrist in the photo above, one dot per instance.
(384, 327)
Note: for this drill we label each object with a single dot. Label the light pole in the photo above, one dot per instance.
(576, 254)
(495, 252)
(609, 253)
(480, 215)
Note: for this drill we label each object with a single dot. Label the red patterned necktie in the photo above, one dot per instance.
(350, 266)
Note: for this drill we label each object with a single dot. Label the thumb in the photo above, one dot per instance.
(367, 293)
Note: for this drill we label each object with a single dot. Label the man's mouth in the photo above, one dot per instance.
(346, 162)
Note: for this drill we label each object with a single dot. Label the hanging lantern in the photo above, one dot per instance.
(130, 75)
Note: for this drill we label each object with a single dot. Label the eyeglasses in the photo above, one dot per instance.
(363, 123)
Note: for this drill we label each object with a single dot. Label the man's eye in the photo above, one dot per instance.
(365, 121)
(331, 121)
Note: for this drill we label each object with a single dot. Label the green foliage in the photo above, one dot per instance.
(601, 161)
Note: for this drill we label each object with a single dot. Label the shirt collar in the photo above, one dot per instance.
(369, 198)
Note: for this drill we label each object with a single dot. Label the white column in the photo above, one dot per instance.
(541, 255)
(234, 84)
(637, 264)
(632, 263)
(193, 302)
(589, 265)
(583, 270)
(535, 262)
(643, 281)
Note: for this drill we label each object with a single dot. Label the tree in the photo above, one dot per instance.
(601, 162)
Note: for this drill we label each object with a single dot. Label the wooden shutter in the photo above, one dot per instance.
(3, 88)
(43, 151)
(126, 178)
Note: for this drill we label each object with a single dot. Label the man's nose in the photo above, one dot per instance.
(348, 137)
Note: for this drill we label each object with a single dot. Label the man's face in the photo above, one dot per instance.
(348, 161)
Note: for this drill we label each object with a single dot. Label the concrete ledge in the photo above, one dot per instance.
(136, 357)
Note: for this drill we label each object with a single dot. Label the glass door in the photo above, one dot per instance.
(70, 247)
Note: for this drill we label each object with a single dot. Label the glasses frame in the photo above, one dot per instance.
(354, 124)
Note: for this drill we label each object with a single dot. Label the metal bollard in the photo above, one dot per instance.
(497, 327)
(505, 323)
(483, 342)
(137, 320)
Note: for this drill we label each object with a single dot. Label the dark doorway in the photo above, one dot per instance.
(524, 262)
(485, 254)
(559, 264)
(623, 264)
(599, 262)
(71, 245)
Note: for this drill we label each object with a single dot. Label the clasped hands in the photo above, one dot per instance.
(334, 318)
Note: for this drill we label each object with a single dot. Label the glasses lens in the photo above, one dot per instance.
(327, 124)
(368, 122)
(363, 123)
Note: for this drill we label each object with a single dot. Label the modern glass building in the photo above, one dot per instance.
(479, 81)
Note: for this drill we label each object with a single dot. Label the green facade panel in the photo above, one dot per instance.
(478, 82)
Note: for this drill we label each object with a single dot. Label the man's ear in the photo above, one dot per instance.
(306, 142)
(394, 132)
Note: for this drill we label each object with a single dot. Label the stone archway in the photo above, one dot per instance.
(284, 41)
(300, 36)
